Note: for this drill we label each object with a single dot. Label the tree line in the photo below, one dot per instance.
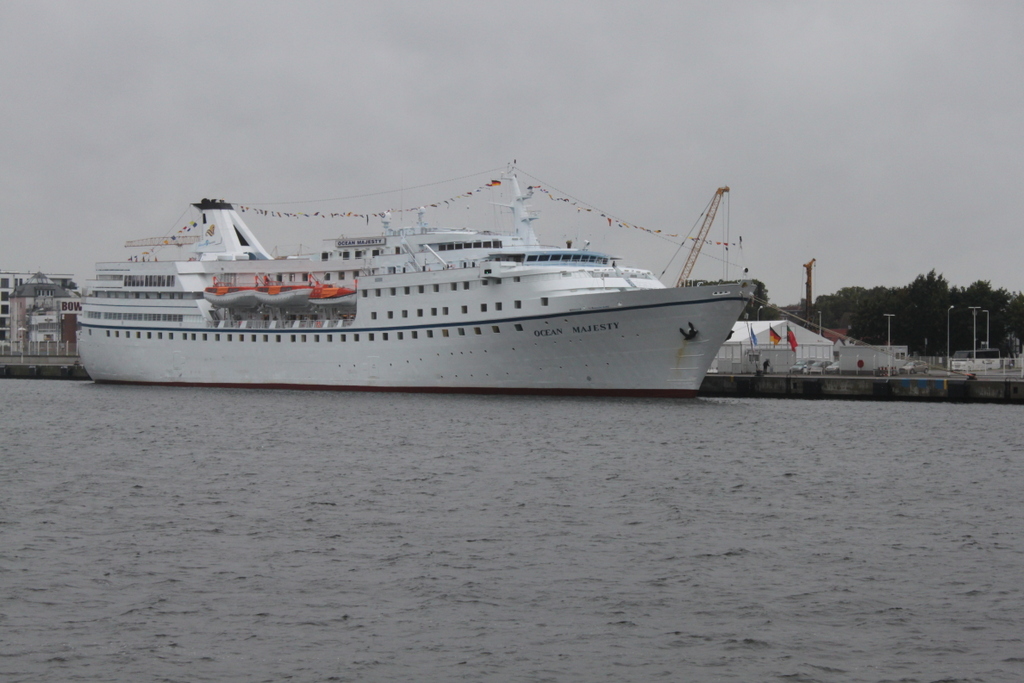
(919, 319)
(921, 312)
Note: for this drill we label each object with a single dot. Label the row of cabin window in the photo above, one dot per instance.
(498, 306)
(370, 336)
(422, 289)
(147, 295)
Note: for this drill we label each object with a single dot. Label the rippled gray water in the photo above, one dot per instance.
(154, 534)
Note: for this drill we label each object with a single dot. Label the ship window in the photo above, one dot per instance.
(444, 310)
(277, 338)
(497, 305)
(359, 253)
(377, 292)
(266, 337)
(327, 276)
(303, 338)
(204, 337)
(241, 337)
(415, 334)
(108, 333)
(370, 336)
(170, 335)
(401, 336)
(476, 330)
(433, 311)
(518, 303)
(519, 328)
(437, 288)
(366, 293)
(408, 290)
(216, 337)
(330, 337)
(345, 254)
(341, 274)
(393, 291)
(229, 337)
(420, 289)
(341, 337)
(384, 336)
(483, 308)
(465, 309)
(116, 333)
(373, 315)
(462, 332)
(316, 337)
(293, 337)
(419, 312)
(543, 301)
(324, 255)
(405, 314)
(430, 334)
(193, 336)
(149, 335)
(465, 285)
(391, 314)
(495, 329)
(444, 333)
(253, 338)
(455, 286)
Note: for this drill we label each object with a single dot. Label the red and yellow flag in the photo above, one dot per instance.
(773, 336)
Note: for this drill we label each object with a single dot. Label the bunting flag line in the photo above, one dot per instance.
(443, 203)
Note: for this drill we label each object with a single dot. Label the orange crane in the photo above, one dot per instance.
(808, 301)
(701, 236)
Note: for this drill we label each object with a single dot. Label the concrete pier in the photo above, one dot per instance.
(42, 367)
(1000, 389)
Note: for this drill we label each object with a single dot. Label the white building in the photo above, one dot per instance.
(751, 345)
(9, 281)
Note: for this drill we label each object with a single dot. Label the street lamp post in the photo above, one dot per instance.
(949, 363)
(974, 312)
(759, 313)
(986, 328)
(888, 322)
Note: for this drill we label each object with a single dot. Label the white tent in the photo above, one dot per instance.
(751, 345)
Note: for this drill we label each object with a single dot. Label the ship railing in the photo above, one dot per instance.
(280, 324)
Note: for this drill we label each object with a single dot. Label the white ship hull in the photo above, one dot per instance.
(500, 316)
(630, 346)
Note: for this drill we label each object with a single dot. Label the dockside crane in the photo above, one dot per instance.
(701, 236)
(808, 301)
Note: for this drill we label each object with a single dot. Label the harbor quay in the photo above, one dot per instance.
(979, 389)
(42, 367)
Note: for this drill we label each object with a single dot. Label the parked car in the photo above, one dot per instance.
(832, 368)
(801, 366)
(914, 367)
(817, 367)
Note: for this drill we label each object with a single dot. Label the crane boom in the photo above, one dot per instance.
(701, 236)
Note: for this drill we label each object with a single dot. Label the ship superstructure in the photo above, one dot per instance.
(416, 308)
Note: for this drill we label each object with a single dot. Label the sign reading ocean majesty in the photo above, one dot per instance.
(421, 308)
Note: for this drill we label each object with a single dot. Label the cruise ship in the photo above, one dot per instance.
(414, 308)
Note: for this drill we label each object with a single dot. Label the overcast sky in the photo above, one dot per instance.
(883, 139)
